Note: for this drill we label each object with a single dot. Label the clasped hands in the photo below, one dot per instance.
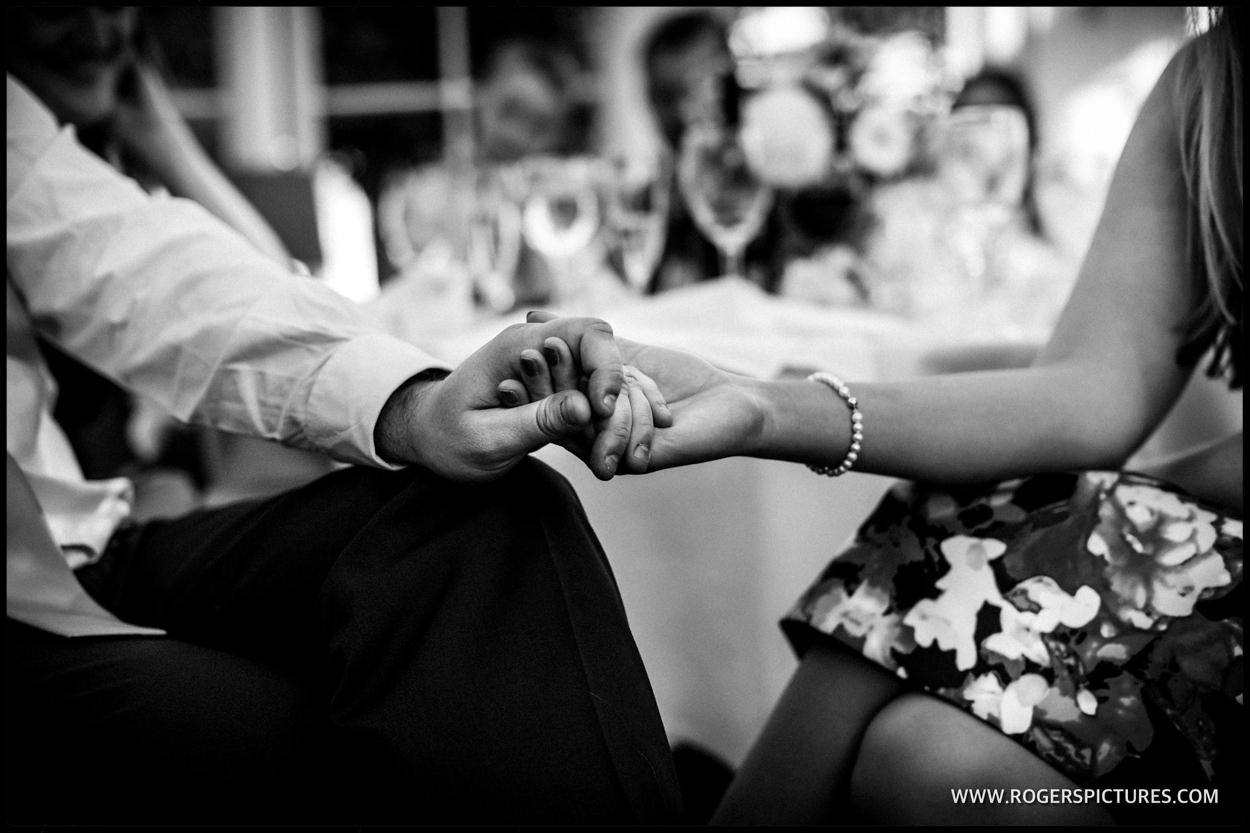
(620, 406)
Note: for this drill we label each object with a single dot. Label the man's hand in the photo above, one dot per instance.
(683, 409)
(457, 427)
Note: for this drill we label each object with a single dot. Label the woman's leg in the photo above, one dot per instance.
(919, 750)
(799, 770)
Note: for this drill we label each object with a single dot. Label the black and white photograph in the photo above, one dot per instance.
(624, 416)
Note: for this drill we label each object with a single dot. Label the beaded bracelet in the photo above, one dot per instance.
(857, 425)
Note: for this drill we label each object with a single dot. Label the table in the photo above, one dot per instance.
(708, 559)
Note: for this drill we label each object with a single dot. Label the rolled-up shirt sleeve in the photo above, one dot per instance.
(161, 296)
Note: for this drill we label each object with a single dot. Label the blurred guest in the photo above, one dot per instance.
(97, 68)
(1001, 87)
(527, 101)
(963, 247)
(688, 70)
(527, 105)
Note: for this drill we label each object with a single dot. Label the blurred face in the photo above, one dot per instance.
(71, 56)
(521, 114)
(682, 85)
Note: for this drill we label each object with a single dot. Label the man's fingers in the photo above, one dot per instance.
(536, 375)
(561, 415)
(526, 428)
(593, 345)
(512, 393)
(565, 374)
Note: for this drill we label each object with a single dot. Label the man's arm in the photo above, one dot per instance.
(173, 304)
(467, 435)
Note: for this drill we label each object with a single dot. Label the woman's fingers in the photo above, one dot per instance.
(611, 439)
(642, 426)
(658, 407)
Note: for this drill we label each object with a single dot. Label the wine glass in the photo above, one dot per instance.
(983, 163)
(494, 238)
(560, 218)
(726, 199)
(636, 196)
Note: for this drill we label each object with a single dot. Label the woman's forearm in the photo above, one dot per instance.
(963, 427)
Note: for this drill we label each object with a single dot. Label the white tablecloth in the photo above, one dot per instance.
(708, 559)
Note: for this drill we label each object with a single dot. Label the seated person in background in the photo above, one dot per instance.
(684, 61)
(1000, 87)
(528, 102)
(97, 69)
(526, 106)
(1024, 612)
(432, 634)
(964, 250)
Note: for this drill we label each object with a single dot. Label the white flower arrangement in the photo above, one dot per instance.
(858, 110)
(787, 137)
(882, 140)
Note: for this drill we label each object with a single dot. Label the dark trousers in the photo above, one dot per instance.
(375, 647)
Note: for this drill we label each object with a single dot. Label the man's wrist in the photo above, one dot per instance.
(397, 432)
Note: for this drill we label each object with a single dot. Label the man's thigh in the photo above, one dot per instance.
(245, 577)
(150, 730)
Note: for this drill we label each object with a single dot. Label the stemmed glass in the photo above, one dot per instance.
(494, 237)
(636, 197)
(726, 199)
(560, 218)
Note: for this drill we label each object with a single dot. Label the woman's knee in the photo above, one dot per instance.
(931, 749)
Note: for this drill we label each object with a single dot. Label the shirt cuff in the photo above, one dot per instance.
(351, 389)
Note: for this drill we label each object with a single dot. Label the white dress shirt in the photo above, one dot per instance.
(171, 303)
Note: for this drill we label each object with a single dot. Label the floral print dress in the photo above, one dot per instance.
(1095, 617)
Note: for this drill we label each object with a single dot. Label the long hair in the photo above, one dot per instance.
(1211, 151)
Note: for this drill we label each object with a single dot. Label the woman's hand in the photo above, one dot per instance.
(622, 439)
(680, 408)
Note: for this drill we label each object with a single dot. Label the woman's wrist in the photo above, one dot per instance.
(801, 421)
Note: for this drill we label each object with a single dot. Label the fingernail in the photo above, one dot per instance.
(611, 462)
(552, 357)
(529, 366)
(609, 401)
(509, 397)
(642, 452)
